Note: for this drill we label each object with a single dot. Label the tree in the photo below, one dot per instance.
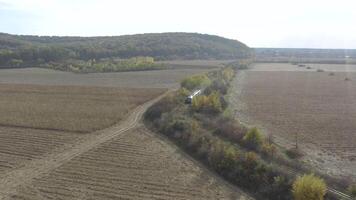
(309, 187)
(209, 104)
(16, 62)
(279, 189)
(268, 149)
(195, 82)
(228, 74)
(253, 139)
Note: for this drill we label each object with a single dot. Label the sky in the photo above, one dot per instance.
(257, 23)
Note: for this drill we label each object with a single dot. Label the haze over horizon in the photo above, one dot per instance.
(275, 23)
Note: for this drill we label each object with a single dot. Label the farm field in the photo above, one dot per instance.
(85, 141)
(138, 79)
(135, 165)
(314, 67)
(122, 161)
(37, 120)
(318, 107)
(68, 108)
(20, 145)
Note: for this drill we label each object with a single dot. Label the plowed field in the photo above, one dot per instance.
(317, 107)
(135, 165)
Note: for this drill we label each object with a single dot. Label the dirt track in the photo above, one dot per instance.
(37, 170)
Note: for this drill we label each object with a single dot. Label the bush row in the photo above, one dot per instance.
(222, 143)
(243, 168)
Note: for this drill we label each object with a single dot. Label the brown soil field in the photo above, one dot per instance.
(45, 155)
(320, 108)
(20, 145)
(314, 67)
(68, 108)
(139, 79)
(136, 165)
(124, 161)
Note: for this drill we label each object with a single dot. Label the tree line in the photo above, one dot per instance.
(22, 51)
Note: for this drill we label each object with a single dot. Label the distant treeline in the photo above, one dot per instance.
(105, 65)
(322, 56)
(25, 51)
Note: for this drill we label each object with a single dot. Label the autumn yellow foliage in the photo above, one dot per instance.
(210, 103)
(309, 187)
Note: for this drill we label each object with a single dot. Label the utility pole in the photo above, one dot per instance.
(296, 140)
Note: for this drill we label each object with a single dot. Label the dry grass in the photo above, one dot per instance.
(68, 108)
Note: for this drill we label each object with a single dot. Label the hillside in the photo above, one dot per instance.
(19, 50)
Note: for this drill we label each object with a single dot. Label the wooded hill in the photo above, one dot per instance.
(22, 51)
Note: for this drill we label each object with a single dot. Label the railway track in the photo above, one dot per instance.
(339, 194)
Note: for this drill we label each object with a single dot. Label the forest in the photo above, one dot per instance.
(27, 51)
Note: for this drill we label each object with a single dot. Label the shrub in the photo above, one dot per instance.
(230, 128)
(239, 64)
(229, 157)
(308, 67)
(253, 139)
(251, 158)
(278, 190)
(16, 62)
(209, 104)
(183, 92)
(320, 70)
(164, 105)
(217, 85)
(352, 190)
(203, 149)
(228, 74)
(216, 154)
(196, 81)
(347, 79)
(268, 149)
(331, 74)
(309, 187)
(182, 95)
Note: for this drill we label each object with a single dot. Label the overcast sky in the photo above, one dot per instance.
(257, 23)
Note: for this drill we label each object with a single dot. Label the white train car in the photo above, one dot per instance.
(189, 98)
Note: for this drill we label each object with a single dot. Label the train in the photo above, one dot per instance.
(190, 98)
